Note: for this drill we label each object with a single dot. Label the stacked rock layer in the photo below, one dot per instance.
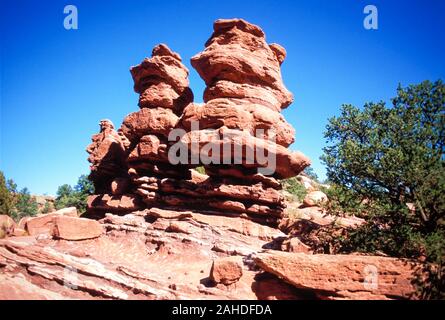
(243, 99)
(237, 133)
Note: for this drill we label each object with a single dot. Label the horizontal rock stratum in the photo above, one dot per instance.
(343, 276)
(172, 254)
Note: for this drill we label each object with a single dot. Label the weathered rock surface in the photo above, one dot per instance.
(253, 152)
(44, 224)
(159, 121)
(342, 276)
(7, 225)
(315, 198)
(150, 254)
(170, 254)
(107, 157)
(70, 228)
(235, 135)
(238, 53)
(226, 270)
(125, 203)
(255, 118)
(162, 81)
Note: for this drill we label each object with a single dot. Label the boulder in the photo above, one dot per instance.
(315, 198)
(159, 121)
(237, 52)
(342, 276)
(307, 183)
(7, 225)
(226, 270)
(70, 211)
(70, 228)
(295, 245)
(44, 224)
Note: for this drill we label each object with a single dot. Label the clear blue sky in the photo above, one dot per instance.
(57, 84)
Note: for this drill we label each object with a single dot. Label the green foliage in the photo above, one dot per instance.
(75, 197)
(6, 198)
(294, 187)
(201, 170)
(25, 205)
(46, 208)
(343, 201)
(380, 159)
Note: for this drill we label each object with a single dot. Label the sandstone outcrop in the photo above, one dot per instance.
(107, 157)
(238, 134)
(343, 276)
(172, 254)
(163, 87)
(149, 254)
(241, 114)
(70, 228)
(162, 230)
(44, 223)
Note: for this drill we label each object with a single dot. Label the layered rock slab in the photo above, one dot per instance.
(150, 254)
(343, 276)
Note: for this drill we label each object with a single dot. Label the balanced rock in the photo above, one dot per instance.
(237, 52)
(162, 81)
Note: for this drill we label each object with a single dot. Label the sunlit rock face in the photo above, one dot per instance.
(238, 134)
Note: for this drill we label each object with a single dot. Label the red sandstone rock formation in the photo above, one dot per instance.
(131, 168)
(162, 83)
(243, 99)
(107, 157)
(343, 276)
(164, 254)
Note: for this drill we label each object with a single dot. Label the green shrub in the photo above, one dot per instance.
(25, 205)
(294, 187)
(201, 170)
(380, 159)
(6, 198)
(75, 197)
